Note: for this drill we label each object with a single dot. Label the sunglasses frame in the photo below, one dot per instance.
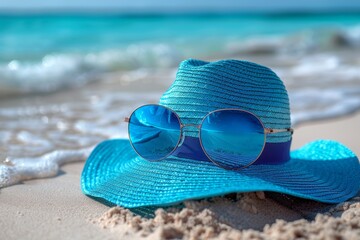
(127, 119)
(198, 126)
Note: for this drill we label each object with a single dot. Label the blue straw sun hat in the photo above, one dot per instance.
(322, 170)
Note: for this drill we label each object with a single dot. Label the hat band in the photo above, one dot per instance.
(273, 153)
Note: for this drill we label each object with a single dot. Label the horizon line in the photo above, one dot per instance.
(169, 11)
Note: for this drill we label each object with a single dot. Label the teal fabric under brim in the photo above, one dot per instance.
(323, 170)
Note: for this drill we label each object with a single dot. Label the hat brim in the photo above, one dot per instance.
(324, 171)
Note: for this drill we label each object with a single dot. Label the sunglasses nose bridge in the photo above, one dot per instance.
(197, 126)
(183, 126)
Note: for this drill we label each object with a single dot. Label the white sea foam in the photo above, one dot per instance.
(20, 169)
(58, 71)
(52, 73)
(330, 103)
(39, 139)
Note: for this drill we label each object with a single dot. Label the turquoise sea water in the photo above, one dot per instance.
(34, 36)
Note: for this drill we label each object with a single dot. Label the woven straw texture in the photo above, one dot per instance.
(201, 87)
(325, 171)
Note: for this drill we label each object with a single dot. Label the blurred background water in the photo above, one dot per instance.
(70, 71)
(44, 52)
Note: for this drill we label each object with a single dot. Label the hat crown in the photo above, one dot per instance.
(201, 87)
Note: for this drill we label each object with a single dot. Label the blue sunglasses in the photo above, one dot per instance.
(231, 138)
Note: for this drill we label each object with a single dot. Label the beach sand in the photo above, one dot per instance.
(55, 208)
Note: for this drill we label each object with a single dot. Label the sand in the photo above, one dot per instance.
(345, 130)
(55, 208)
(201, 220)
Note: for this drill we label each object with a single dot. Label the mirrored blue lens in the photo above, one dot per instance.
(232, 139)
(154, 131)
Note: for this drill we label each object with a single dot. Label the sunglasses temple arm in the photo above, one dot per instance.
(126, 119)
(271, 130)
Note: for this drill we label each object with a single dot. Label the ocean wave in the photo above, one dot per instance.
(310, 106)
(300, 43)
(58, 71)
(66, 70)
